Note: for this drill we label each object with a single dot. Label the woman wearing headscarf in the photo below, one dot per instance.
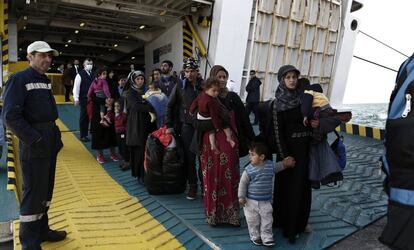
(281, 127)
(139, 124)
(232, 102)
(221, 171)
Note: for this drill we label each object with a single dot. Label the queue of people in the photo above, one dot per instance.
(211, 123)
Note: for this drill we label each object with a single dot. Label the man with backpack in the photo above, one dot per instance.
(179, 120)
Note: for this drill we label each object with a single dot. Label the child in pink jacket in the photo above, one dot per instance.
(100, 88)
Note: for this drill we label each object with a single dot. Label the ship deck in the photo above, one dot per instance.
(102, 207)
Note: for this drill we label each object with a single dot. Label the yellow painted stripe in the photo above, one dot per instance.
(376, 132)
(188, 46)
(11, 175)
(188, 40)
(349, 128)
(95, 210)
(362, 131)
(5, 47)
(11, 187)
(187, 52)
(187, 32)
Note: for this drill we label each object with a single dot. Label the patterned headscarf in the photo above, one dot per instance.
(190, 63)
(286, 98)
(131, 78)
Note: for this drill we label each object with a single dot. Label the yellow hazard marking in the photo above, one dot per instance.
(96, 212)
(362, 131)
(376, 133)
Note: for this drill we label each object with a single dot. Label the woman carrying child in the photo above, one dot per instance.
(210, 111)
(138, 122)
(221, 173)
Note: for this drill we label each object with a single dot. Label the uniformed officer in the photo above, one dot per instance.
(29, 110)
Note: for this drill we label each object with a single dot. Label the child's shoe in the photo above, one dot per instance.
(114, 157)
(257, 242)
(100, 158)
(269, 243)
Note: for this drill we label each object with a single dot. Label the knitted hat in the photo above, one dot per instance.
(284, 70)
(190, 63)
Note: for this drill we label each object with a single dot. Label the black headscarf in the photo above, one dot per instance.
(286, 98)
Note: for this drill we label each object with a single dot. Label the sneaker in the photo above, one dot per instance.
(100, 158)
(192, 193)
(85, 139)
(53, 236)
(257, 242)
(269, 243)
(114, 157)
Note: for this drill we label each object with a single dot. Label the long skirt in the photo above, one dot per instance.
(220, 181)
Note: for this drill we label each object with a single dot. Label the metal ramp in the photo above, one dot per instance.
(96, 212)
(336, 212)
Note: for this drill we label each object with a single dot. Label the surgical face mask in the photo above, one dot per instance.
(88, 67)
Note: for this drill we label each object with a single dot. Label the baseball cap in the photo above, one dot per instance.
(41, 46)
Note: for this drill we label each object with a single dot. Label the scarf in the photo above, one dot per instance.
(285, 98)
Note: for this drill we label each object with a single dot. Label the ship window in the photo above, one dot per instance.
(354, 24)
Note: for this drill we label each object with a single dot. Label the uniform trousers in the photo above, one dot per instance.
(38, 163)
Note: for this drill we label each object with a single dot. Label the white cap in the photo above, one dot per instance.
(41, 46)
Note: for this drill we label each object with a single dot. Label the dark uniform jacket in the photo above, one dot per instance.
(28, 100)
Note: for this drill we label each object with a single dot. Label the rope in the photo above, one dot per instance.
(366, 60)
(388, 46)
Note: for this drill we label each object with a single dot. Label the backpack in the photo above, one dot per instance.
(338, 147)
(164, 164)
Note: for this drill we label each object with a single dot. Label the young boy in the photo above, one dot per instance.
(256, 191)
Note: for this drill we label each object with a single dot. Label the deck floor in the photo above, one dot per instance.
(336, 212)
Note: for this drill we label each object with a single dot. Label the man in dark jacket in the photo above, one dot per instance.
(179, 119)
(253, 95)
(81, 86)
(29, 110)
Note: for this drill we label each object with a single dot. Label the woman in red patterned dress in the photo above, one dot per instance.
(221, 171)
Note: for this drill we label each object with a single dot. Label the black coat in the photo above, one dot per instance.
(292, 193)
(245, 132)
(138, 119)
(253, 90)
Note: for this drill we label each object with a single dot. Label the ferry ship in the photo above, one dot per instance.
(102, 207)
